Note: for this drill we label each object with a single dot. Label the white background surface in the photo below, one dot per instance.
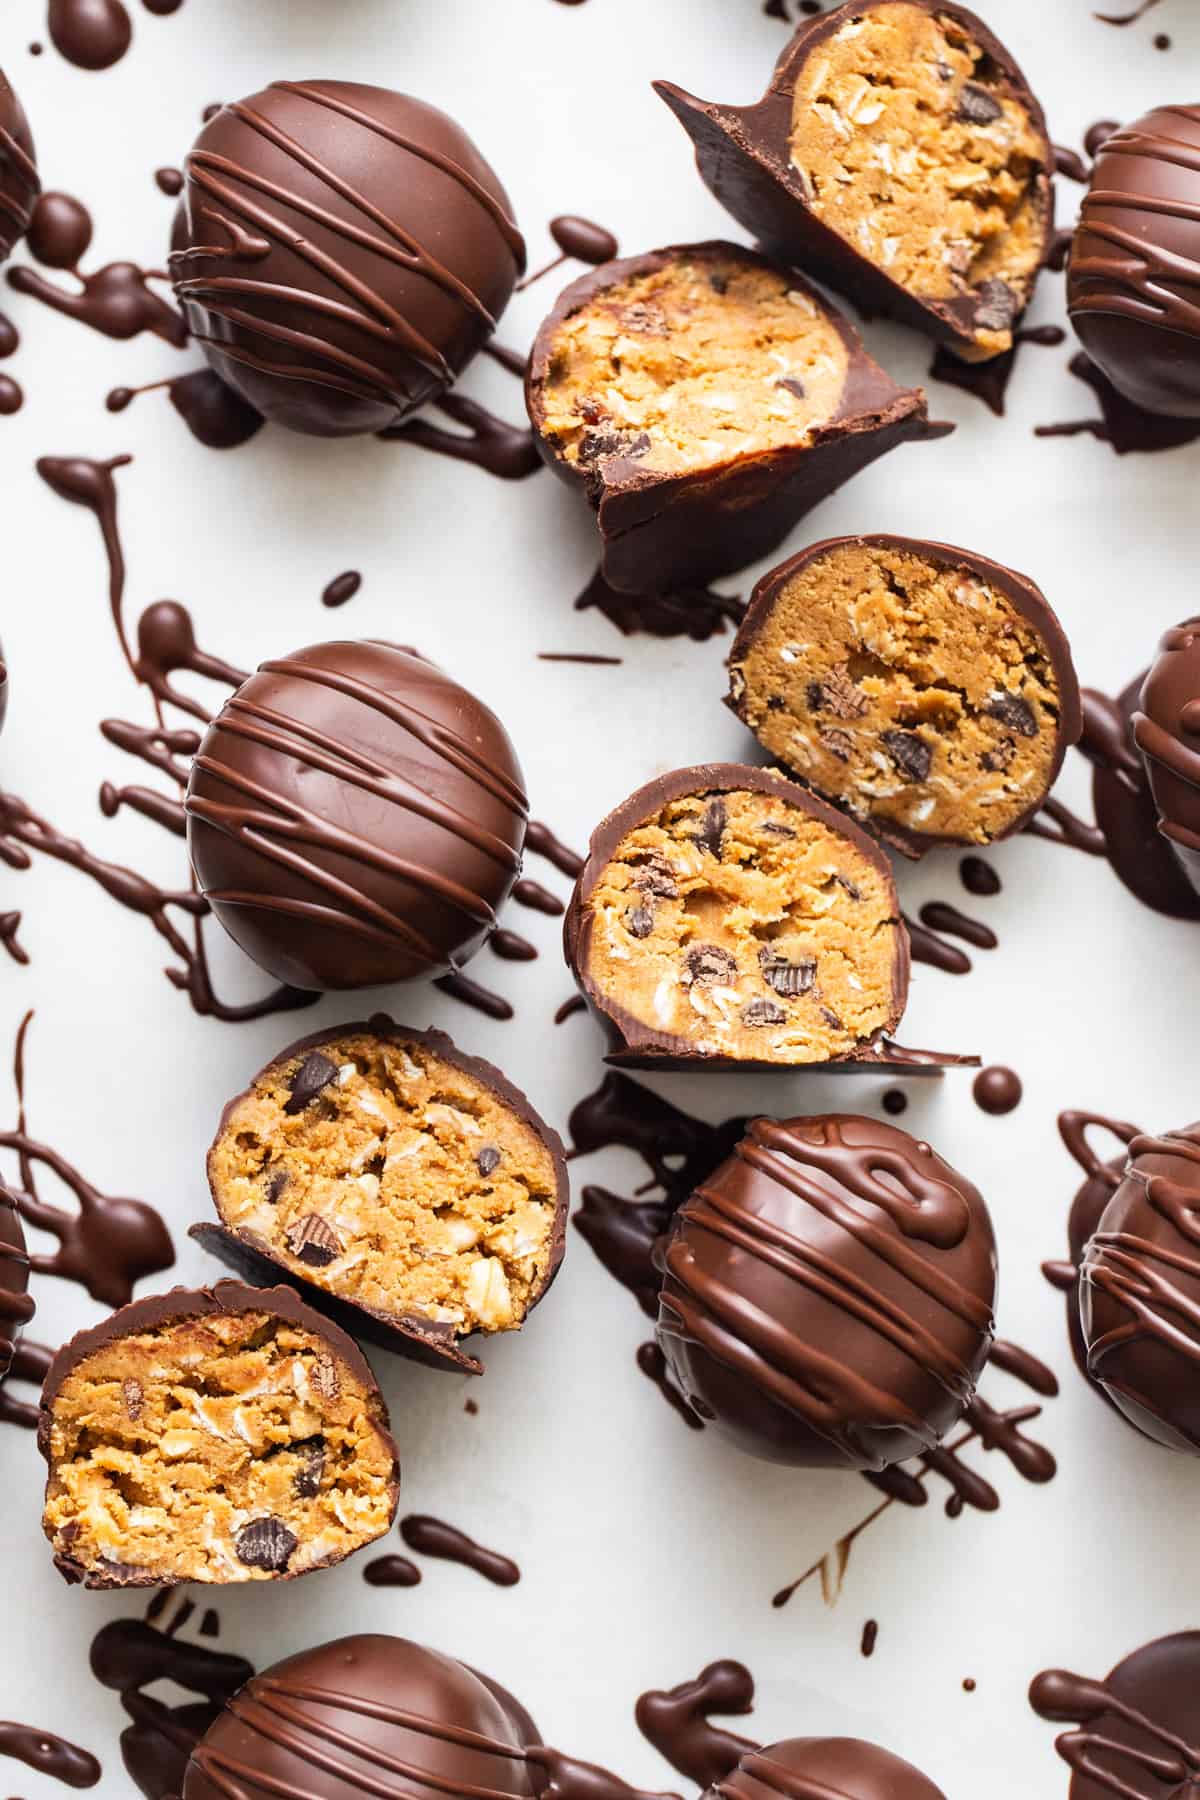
(646, 1549)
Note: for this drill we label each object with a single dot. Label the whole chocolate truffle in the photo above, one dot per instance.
(364, 1716)
(1138, 1731)
(1135, 262)
(898, 155)
(926, 689)
(354, 817)
(1166, 729)
(823, 1769)
(1139, 1297)
(341, 253)
(409, 1190)
(16, 1305)
(19, 184)
(827, 1294)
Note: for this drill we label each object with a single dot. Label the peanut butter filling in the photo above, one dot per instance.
(704, 360)
(912, 146)
(907, 690)
(747, 928)
(228, 1448)
(378, 1170)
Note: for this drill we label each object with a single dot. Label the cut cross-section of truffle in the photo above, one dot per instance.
(899, 155)
(408, 1189)
(706, 399)
(221, 1435)
(924, 688)
(727, 916)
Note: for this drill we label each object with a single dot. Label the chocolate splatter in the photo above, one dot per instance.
(578, 240)
(116, 300)
(541, 841)
(1122, 424)
(10, 924)
(577, 656)
(997, 1090)
(108, 1243)
(870, 1637)
(696, 613)
(568, 1009)
(472, 993)
(895, 1101)
(130, 1656)
(216, 416)
(979, 877)
(169, 182)
(49, 1755)
(433, 1537)
(341, 588)
(1129, 18)
(653, 1364)
(30, 1366)
(928, 947)
(678, 1722)
(488, 442)
(988, 381)
(391, 1571)
(906, 1483)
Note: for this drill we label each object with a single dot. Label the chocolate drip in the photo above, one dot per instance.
(433, 1537)
(30, 1365)
(513, 360)
(568, 1009)
(510, 946)
(115, 300)
(488, 442)
(988, 381)
(49, 1755)
(938, 915)
(577, 239)
(928, 947)
(129, 1656)
(215, 415)
(169, 181)
(12, 396)
(696, 613)
(870, 1635)
(653, 1364)
(341, 588)
(83, 482)
(10, 924)
(473, 993)
(907, 1485)
(677, 1722)
(1129, 18)
(580, 656)
(391, 1571)
(1123, 424)
(538, 898)
(541, 841)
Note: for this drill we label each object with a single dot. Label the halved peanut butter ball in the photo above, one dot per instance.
(705, 399)
(925, 689)
(228, 1434)
(727, 917)
(407, 1189)
(900, 155)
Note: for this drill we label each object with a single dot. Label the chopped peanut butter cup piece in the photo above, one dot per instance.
(705, 399)
(925, 689)
(898, 155)
(726, 917)
(409, 1191)
(228, 1434)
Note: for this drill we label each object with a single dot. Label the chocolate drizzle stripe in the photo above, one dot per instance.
(1141, 281)
(1073, 1127)
(1058, 1695)
(777, 1779)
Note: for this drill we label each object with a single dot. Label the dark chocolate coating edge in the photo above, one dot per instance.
(175, 1306)
(421, 1340)
(742, 153)
(635, 1045)
(756, 499)
(1024, 594)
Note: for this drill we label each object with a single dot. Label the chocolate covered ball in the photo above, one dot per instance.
(341, 253)
(1139, 1295)
(16, 1305)
(1132, 278)
(1166, 729)
(827, 1294)
(1136, 1733)
(354, 816)
(366, 1715)
(824, 1769)
(19, 185)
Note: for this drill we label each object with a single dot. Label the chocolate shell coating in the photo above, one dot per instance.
(633, 1044)
(1026, 599)
(1166, 729)
(341, 253)
(180, 1305)
(19, 184)
(666, 531)
(365, 1715)
(823, 1769)
(355, 817)
(1135, 262)
(16, 1303)
(743, 154)
(827, 1294)
(1139, 1295)
(1138, 1731)
(421, 1339)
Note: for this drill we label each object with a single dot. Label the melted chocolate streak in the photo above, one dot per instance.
(433, 1537)
(49, 1755)
(129, 1656)
(108, 1244)
(676, 1721)
(1167, 1763)
(116, 300)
